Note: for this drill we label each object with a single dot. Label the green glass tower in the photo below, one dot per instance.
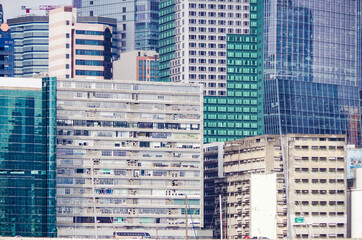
(219, 45)
(27, 157)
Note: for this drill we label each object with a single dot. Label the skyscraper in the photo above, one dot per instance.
(137, 20)
(27, 157)
(310, 71)
(31, 38)
(80, 46)
(307, 83)
(219, 45)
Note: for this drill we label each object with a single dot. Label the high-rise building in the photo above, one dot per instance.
(217, 44)
(305, 82)
(80, 46)
(31, 39)
(128, 155)
(137, 21)
(6, 52)
(137, 65)
(27, 157)
(310, 71)
(313, 203)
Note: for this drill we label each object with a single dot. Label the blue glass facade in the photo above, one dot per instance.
(31, 49)
(310, 67)
(6, 54)
(27, 158)
(137, 20)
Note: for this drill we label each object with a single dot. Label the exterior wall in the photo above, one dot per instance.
(316, 183)
(78, 50)
(213, 169)
(226, 59)
(128, 154)
(137, 22)
(27, 157)
(263, 205)
(356, 198)
(31, 40)
(137, 65)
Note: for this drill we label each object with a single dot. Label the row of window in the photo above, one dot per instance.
(208, 53)
(204, 45)
(219, 22)
(89, 62)
(333, 180)
(89, 32)
(218, 14)
(89, 52)
(219, 6)
(210, 37)
(121, 124)
(321, 203)
(204, 69)
(204, 76)
(88, 73)
(219, 30)
(89, 42)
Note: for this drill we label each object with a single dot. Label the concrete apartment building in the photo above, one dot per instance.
(137, 65)
(80, 47)
(128, 154)
(257, 196)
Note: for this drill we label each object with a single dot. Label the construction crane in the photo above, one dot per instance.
(45, 8)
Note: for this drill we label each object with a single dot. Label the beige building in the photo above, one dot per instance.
(80, 47)
(257, 203)
(137, 65)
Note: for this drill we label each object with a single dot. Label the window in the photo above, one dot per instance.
(91, 13)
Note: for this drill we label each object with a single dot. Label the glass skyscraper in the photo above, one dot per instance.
(310, 67)
(27, 157)
(137, 20)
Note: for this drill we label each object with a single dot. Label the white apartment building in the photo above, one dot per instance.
(200, 50)
(258, 201)
(128, 155)
(80, 47)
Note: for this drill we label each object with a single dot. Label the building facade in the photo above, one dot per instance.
(217, 44)
(80, 47)
(137, 21)
(31, 40)
(27, 157)
(6, 51)
(311, 67)
(213, 170)
(313, 203)
(128, 155)
(138, 66)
